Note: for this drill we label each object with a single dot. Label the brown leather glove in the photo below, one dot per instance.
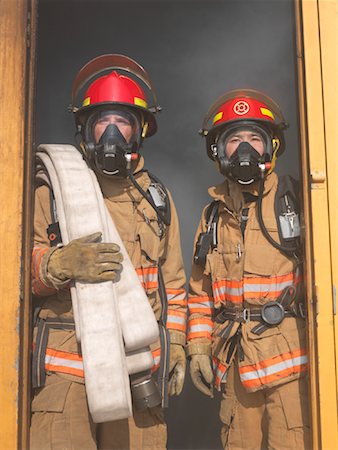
(177, 364)
(201, 374)
(86, 259)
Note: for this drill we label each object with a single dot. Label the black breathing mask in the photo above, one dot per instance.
(113, 155)
(245, 165)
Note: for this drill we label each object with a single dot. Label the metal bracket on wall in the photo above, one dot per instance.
(318, 178)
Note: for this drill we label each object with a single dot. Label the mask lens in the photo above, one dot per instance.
(127, 123)
(256, 136)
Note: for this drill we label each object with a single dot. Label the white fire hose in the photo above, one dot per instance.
(111, 319)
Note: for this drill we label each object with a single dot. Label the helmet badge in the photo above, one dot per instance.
(241, 107)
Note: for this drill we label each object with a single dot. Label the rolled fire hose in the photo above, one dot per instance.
(110, 318)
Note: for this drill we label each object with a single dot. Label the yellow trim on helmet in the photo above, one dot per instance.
(267, 112)
(86, 101)
(145, 129)
(275, 148)
(217, 117)
(140, 102)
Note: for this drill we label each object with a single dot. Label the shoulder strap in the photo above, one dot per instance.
(287, 211)
(160, 198)
(209, 238)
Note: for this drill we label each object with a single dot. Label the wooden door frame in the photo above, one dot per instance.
(17, 62)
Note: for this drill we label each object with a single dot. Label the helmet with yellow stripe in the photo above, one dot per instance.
(244, 108)
(114, 83)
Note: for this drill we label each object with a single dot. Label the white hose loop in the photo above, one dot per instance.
(102, 311)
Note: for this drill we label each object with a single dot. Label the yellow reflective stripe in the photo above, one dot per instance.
(140, 102)
(218, 117)
(267, 112)
(86, 101)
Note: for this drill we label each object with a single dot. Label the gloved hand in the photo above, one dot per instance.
(201, 374)
(177, 364)
(86, 259)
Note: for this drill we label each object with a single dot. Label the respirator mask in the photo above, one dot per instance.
(113, 142)
(245, 165)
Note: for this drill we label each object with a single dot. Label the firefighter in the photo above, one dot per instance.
(246, 328)
(111, 125)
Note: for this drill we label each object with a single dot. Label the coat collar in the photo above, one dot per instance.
(231, 193)
(122, 189)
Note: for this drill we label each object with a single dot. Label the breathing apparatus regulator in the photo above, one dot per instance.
(247, 111)
(111, 124)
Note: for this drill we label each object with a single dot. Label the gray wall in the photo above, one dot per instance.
(194, 52)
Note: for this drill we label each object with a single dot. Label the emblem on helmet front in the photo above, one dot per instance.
(241, 107)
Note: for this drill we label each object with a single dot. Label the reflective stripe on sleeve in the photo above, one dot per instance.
(38, 287)
(157, 358)
(148, 277)
(176, 297)
(204, 305)
(200, 328)
(220, 370)
(176, 320)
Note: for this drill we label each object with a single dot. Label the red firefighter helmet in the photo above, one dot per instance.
(245, 107)
(115, 89)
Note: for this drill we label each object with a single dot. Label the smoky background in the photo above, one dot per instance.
(194, 51)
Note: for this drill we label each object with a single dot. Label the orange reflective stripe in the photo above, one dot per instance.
(148, 277)
(235, 291)
(269, 287)
(175, 292)
(273, 369)
(228, 290)
(176, 320)
(64, 362)
(269, 280)
(204, 305)
(72, 363)
(176, 296)
(200, 328)
(38, 287)
(220, 372)
(157, 359)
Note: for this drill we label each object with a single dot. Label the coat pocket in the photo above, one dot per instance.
(261, 257)
(272, 358)
(52, 397)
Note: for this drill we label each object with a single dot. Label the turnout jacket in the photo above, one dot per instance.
(137, 224)
(245, 272)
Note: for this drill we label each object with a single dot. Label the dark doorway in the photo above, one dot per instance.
(194, 51)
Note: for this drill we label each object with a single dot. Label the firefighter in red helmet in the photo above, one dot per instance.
(246, 330)
(116, 115)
